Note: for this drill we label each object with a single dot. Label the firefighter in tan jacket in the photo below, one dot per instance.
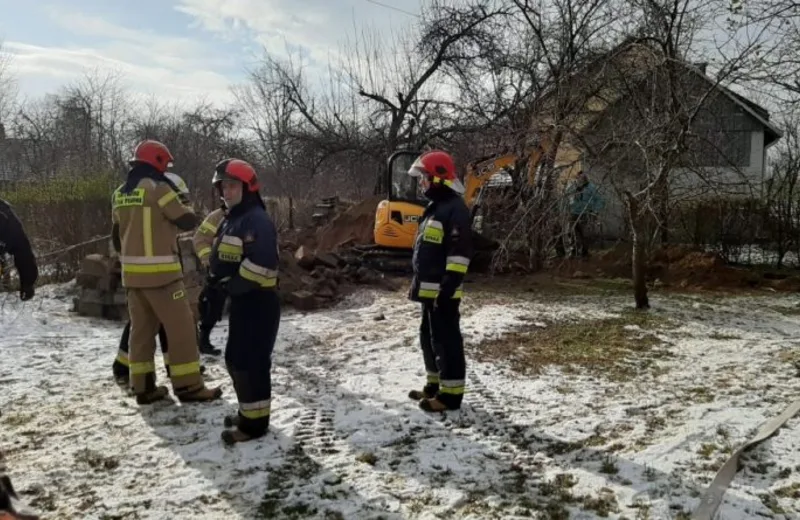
(212, 298)
(147, 215)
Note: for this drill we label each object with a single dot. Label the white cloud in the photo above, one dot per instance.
(316, 26)
(174, 68)
(47, 67)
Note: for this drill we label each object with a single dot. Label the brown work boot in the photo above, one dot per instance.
(231, 437)
(435, 405)
(427, 392)
(231, 421)
(198, 393)
(151, 396)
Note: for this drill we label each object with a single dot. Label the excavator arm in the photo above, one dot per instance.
(482, 171)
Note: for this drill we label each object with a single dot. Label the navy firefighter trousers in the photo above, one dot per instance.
(253, 327)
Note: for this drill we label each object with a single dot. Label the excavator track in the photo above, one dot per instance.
(398, 261)
(385, 260)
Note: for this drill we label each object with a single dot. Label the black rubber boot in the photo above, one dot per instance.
(204, 343)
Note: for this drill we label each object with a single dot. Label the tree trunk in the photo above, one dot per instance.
(663, 210)
(639, 253)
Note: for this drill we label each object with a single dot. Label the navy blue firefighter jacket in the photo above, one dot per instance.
(244, 256)
(442, 248)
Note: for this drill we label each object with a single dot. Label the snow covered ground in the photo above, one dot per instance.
(637, 436)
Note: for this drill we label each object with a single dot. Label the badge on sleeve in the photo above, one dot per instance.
(249, 238)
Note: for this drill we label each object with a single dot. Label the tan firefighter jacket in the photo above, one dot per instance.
(204, 236)
(147, 221)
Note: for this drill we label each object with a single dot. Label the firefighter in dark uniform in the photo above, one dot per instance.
(244, 260)
(14, 241)
(442, 252)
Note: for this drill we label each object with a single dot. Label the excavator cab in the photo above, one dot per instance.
(397, 217)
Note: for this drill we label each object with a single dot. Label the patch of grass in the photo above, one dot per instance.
(706, 450)
(609, 466)
(700, 394)
(642, 509)
(792, 491)
(96, 460)
(770, 501)
(559, 490)
(604, 504)
(721, 336)
(653, 423)
(18, 419)
(367, 458)
(542, 287)
(610, 348)
(299, 510)
(786, 311)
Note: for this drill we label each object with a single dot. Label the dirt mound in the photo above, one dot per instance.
(353, 227)
(681, 266)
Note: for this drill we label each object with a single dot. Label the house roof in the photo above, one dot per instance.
(601, 83)
(757, 111)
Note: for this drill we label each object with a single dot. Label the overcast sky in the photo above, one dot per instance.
(179, 49)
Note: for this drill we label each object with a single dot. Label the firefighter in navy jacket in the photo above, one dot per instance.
(442, 252)
(244, 260)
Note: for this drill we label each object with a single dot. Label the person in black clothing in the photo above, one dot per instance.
(442, 252)
(14, 241)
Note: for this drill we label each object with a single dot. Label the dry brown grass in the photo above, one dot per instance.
(607, 347)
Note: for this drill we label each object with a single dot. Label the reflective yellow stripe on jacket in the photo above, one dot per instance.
(255, 273)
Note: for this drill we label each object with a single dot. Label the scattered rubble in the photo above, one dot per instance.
(311, 280)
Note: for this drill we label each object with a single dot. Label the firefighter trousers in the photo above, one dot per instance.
(122, 362)
(443, 351)
(149, 309)
(210, 306)
(252, 329)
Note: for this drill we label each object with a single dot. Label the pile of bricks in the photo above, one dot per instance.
(100, 293)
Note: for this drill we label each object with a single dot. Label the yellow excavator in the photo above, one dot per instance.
(397, 216)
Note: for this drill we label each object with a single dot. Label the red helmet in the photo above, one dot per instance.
(154, 153)
(236, 169)
(438, 167)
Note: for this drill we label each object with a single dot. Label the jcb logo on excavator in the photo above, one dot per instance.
(411, 218)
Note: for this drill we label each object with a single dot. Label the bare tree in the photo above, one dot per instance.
(654, 133)
(198, 136)
(781, 205)
(8, 90)
(774, 67)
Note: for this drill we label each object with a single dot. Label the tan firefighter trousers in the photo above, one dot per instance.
(148, 308)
